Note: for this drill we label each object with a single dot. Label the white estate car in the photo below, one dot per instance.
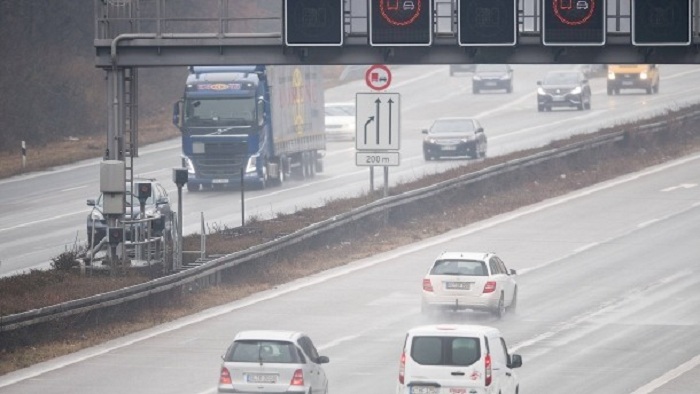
(476, 281)
(457, 358)
(271, 361)
(340, 121)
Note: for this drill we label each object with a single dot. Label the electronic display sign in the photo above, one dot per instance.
(313, 22)
(573, 22)
(400, 22)
(487, 22)
(661, 22)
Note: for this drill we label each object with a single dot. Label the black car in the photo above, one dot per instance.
(454, 137)
(492, 77)
(461, 68)
(563, 89)
(157, 207)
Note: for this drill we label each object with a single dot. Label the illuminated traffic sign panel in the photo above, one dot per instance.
(487, 22)
(573, 22)
(661, 22)
(313, 22)
(400, 22)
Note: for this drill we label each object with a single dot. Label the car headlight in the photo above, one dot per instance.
(252, 164)
(643, 76)
(476, 78)
(541, 91)
(611, 75)
(96, 215)
(189, 164)
(576, 90)
(430, 140)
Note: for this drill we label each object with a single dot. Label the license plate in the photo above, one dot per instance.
(425, 390)
(458, 285)
(627, 83)
(219, 181)
(261, 378)
(558, 98)
(491, 84)
(449, 147)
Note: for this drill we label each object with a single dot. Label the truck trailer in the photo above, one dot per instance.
(252, 125)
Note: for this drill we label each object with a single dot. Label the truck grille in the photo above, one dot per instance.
(221, 160)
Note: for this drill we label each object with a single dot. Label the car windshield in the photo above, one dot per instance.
(340, 110)
(256, 351)
(561, 79)
(492, 68)
(459, 267)
(431, 350)
(452, 126)
(134, 193)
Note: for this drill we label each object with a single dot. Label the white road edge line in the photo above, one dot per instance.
(668, 376)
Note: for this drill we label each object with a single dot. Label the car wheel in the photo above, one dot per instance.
(426, 156)
(540, 108)
(475, 90)
(509, 89)
(650, 90)
(656, 89)
(192, 187)
(610, 91)
(617, 91)
(482, 152)
(514, 304)
(588, 104)
(500, 310)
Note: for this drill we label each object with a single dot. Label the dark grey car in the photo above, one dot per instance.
(492, 77)
(157, 207)
(454, 137)
(563, 89)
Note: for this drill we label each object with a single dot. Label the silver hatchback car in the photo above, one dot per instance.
(271, 361)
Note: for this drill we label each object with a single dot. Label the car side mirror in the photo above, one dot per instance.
(480, 130)
(162, 201)
(585, 81)
(91, 203)
(515, 361)
(424, 131)
(513, 272)
(323, 360)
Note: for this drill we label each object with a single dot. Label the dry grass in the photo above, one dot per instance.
(417, 223)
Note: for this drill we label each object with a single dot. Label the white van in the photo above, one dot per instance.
(454, 358)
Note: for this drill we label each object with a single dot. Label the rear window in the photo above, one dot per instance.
(255, 351)
(459, 267)
(460, 351)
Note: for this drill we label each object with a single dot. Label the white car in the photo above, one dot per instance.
(270, 361)
(455, 358)
(475, 281)
(340, 121)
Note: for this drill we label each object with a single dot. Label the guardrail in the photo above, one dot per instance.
(216, 266)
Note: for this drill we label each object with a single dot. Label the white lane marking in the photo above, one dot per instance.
(586, 247)
(681, 186)
(669, 376)
(26, 224)
(647, 223)
(576, 321)
(73, 188)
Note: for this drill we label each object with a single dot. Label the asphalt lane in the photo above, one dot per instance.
(608, 303)
(44, 214)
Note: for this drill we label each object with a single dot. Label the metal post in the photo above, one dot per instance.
(24, 154)
(386, 181)
(179, 227)
(203, 241)
(242, 199)
(371, 179)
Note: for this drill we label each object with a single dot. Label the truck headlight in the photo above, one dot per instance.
(611, 75)
(189, 164)
(252, 164)
(643, 75)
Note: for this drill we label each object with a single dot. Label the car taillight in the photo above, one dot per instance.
(427, 286)
(490, 287)
(225, 376)
(298, 378)
(402, 367)
(487, 368)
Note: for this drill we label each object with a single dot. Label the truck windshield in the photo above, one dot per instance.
(220, 112)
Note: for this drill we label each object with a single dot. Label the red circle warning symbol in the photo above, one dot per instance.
(378, 77)
(574, 12)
